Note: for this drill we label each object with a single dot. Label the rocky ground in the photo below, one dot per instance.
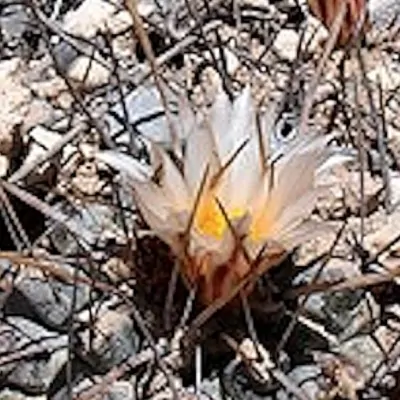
(83, 282)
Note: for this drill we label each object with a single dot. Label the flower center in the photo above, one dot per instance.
(256, 231)
(210, 220)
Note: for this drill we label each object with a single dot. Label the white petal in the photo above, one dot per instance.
(300, 145)
(267, 124)
(293, 194)
(154, 220)
(242, 116)
(173, 185)
(305, 232)
(187, 118)
(297, 212)
(199, 156)
(126, 164)
(259, 201)
(220, 249)
(221, 116)
(167, 229)
(337, 158)
(243, 176)
(158, 212)
(155, 216)
(152, 197)
(152, 150)
(295, 173)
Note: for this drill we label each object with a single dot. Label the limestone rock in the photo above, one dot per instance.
(31, 356)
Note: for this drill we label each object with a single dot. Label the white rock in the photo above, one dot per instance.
(39, 112)
(14, 97)
(382, 12)
(145, 8)
(394, 177)
(4, 165)
(142, 103)
(51, 300)
(90, 220)
(17, 106)
(387, 337)
(43, 140)
(44, 137)
(13, 395)
(88, 73)
(286, 44)
(22, 343)
(114, 338)
(14, 22)
(232, 62)
(377, 240)
(388, 75)
(86, 180)
(123, 20)
(89, 18)
(118, 390)
(393, 133)
(128, 165)
(306, 376)
(364, 351)
(315, 33)
(9, 67)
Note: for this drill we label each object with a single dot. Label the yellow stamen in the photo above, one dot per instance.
(209, 219)
(256, 231)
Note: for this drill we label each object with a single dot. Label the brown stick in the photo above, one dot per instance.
(144, 40)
